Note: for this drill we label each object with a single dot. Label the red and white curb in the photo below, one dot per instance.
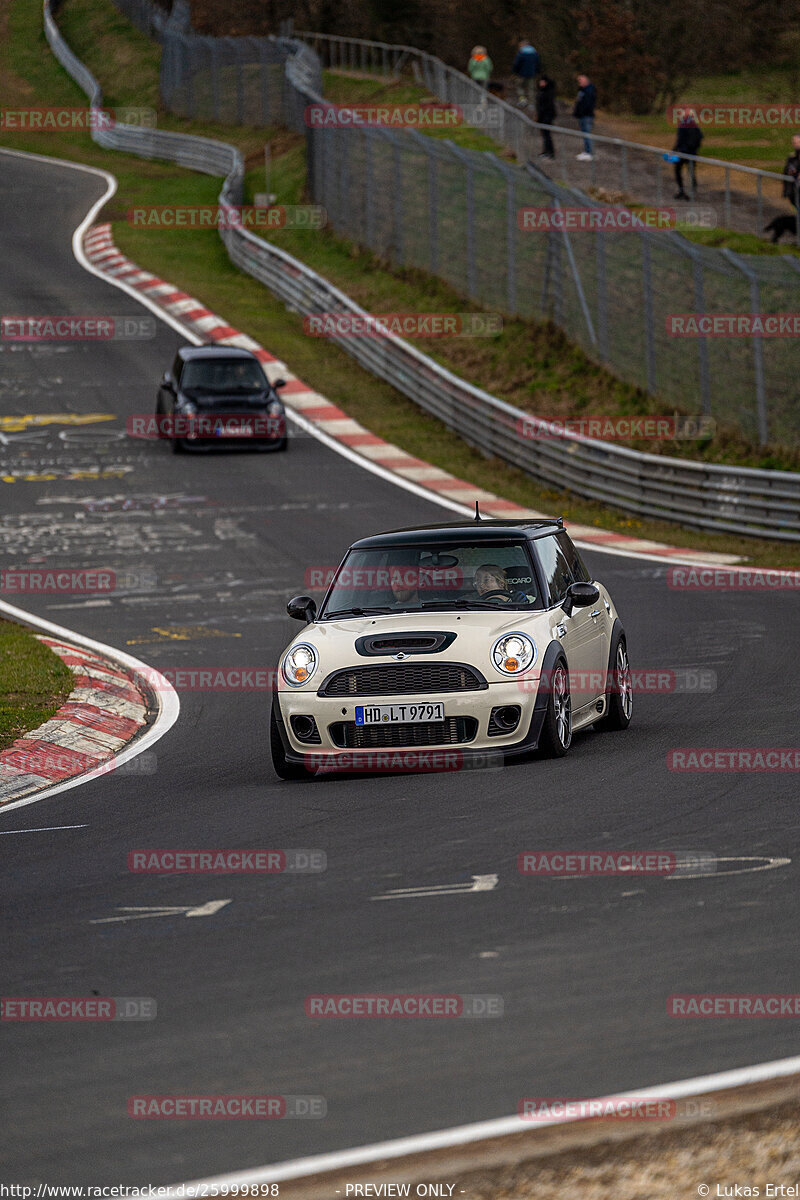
(317, 412)
(106, 709)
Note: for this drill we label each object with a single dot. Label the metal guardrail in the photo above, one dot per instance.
(629, 168)
(705, 496)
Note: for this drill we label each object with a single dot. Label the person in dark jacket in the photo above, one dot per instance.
(791, 190)
(526, 68)
(546, 112)
(584, 111)
(688, 140)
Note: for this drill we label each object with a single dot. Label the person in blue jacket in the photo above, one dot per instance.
(584, 110)
(526, 68)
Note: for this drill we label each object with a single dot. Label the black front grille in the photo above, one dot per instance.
(452, 731)
(403, 679)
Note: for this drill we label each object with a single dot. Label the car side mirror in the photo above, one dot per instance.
(168, 382)
(579, 595)
(302, 608)
(279, 383)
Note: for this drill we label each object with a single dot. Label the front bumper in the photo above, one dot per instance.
(473, 705)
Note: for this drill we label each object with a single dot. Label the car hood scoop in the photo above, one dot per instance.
(419, 642)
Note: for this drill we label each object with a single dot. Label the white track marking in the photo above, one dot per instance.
(764, 864)
(40, 829)
(142, 912)
(344, 451)
(480, 883)
(462, 1135)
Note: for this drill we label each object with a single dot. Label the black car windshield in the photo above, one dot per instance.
(476, 575)
(222, 375)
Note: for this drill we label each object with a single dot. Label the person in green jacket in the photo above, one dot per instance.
(480, 68)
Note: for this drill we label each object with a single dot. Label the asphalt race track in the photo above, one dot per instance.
(584, 966)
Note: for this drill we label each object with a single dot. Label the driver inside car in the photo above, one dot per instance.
(490, 583)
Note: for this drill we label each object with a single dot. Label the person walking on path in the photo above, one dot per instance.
(688, 140)
(546, 112)
(791, 189)
(584, 111)
(526, 68)
(480, 69)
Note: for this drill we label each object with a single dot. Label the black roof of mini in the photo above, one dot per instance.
(487, 529)
(187, 352)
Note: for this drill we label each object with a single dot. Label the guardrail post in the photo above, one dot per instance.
(511, 239)
(264, 80)
(469, 191)
(758, 349)
(727, 197)
(602, 295)
(397, 192)
(237, 49)
(647, 297)
(698, 281)
(214, 75)
(369, 223)
(433, 213)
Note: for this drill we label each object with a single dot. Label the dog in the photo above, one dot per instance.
(779, 226)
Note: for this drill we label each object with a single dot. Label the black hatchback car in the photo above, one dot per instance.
(219, 395)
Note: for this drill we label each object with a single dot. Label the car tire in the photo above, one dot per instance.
(619, 690)
(283, 768)
(556, 736)
(177, 446)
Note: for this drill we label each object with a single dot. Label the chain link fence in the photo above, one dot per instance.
(743, 198)
(706, 495)
(418, 201)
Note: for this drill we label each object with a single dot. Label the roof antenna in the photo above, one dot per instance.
(478, 517)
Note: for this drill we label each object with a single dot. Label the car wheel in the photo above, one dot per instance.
(177, 446)
(619, 691)
(556, 735)
(283, 768)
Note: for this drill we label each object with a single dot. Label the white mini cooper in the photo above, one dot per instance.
(465, 638)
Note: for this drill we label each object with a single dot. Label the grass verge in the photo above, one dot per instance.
(195, 260)
(34, 682)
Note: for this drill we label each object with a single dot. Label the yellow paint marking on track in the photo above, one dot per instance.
(19, 424)
(180, 633)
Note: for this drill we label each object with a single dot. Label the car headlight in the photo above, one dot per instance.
(513, 653)
(274, 408)
(187, 407)
(300, 664)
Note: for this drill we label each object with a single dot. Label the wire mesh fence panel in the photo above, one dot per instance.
(424, 202)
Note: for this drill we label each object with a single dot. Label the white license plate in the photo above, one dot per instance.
(378, 714)
(233, 431)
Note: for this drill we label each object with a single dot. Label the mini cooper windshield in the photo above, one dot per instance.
(481, 575)
(222, 375)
